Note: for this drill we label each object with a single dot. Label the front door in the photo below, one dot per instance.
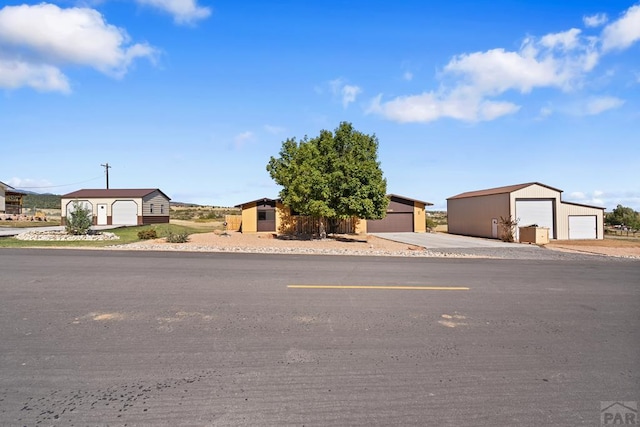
(102, 214)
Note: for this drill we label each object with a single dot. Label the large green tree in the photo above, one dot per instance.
(334, 175)
(622, 215)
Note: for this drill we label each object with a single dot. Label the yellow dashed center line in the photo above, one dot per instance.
(394, 288)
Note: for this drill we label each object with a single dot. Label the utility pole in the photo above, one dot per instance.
(106, 169)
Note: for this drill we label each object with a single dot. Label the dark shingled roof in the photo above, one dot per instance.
(112, 193)
(499, 190)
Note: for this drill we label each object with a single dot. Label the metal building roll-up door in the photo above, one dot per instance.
(583, 227)
(124, 212)
(394, 222)
(539, 212)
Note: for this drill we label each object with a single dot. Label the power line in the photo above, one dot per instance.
(64, 185)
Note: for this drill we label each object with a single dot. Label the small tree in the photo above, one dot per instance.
(79, 219)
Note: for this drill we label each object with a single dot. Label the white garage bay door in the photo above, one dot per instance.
(124, 212)
(539, 212)
(582, 227)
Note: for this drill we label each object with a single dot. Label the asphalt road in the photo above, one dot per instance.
(150, 338)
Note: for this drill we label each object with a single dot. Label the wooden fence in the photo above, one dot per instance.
(307, 225)
(234, 222)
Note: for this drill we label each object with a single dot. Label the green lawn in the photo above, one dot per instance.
(126, 234)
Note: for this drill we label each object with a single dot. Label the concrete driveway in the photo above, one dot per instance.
(446, 241)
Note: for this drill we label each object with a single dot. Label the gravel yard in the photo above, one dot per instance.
(355, 245)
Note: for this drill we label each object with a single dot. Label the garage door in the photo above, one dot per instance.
(124, 212)
(82, 203)
(582, 227)
(394, 222)
(538, 212)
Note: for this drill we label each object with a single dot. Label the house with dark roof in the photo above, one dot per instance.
(478, 213)
(120, 206)
(271, 215)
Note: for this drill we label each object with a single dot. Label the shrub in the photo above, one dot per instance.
(147, 234)
(177, 237)
(508, 228)
(79, 220)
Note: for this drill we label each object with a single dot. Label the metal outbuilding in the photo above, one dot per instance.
(478, 213)
(120, 206)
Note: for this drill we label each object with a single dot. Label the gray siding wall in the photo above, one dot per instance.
(159, 202)
(472, 216)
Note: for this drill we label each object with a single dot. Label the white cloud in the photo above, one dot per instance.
(595, 20)
(624, 32)
(37, 40)
(430, 106)
(347, 93)
(567, 40)
(408, 76)
(183, 11)
(472, 82)
(577, 195)
(242, 138)
(29, 183)
(15, 74)
(274, 130)
(598, 105)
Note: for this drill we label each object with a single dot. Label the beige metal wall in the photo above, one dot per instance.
(542, 193)
(567, 209)
(419, 218)
(108, 201)
(472, 216)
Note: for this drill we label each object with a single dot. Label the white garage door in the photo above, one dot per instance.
(82, 203)
(124, 212)
(582, 227)
(539, 212)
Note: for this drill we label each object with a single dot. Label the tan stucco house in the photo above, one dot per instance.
(120, 206)
(271, 215)
(478, 213)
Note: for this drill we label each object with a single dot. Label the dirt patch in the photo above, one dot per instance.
(610, 247)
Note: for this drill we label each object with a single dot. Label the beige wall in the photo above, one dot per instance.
(102, 201)
(538, 192)
(284, 220)
(419, 218)
(567, 210)
(2, 202)
(472, 216)
(250, 218)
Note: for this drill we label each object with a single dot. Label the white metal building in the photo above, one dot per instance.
(120, 206)
(478, 213)
(3, 189)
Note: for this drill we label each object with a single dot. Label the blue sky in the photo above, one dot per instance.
(193, 97)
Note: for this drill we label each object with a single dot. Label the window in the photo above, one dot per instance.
(262, 215)
(151, 207)
(161, 209)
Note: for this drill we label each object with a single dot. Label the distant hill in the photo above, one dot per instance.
(41, 201)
